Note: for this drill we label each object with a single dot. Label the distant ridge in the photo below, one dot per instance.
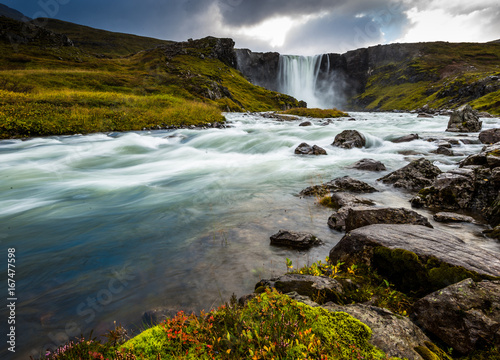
(13, 14)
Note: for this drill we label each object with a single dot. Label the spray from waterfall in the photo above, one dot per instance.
(307, 78)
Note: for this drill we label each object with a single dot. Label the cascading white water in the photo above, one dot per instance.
(299, 77)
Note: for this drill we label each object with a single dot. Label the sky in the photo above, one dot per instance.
(287, 26)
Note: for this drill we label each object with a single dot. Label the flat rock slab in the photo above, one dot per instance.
(396, 335)
(364, 216)
(295, 240)
(449, 217)
(464, 315)
(416, 258)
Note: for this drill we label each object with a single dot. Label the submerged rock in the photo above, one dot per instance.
(368, 165)
(345, 183)
(490, 136)
(396, 335)
(364, 216)
(306, 123)
(465, 316)
(444, 150)
(464, 120)
(406, 138)
(416, 258)
(306, 149)
(349, 139)
(343, 199)
(295, 240)
(414, 176)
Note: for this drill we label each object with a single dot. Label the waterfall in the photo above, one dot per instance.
(303, 78)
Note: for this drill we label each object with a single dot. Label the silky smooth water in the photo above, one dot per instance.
(107, 226)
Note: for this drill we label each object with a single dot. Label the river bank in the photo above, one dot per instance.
(135, 206)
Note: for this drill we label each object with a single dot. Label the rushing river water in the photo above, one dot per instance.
(107, 226)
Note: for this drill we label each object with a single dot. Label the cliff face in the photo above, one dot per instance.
(399, 76)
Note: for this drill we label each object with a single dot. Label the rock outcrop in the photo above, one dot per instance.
(368, 165)
(306, 149)
(414, 176)
(397, 336)
(464, 120)
(465, 316)
(349, 139)
(416, 258)
(295, 240)
(363, 216)
(472, 187)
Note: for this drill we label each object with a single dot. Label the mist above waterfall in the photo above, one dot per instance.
(308, 78)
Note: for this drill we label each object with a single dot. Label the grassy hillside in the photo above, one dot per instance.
(101, 42)
(50, 86)
(442, 75)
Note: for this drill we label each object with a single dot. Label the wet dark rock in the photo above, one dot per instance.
(464, 120)
(470, 188)
(406, 138)
(465, 316)
(342, 199)
(490, 136)
(306, 123)
(295, 240)
(336, 221)
(444, 150)
(349, 139)
(345, 183)
(414, 176)
(396, 335)
(279, 117)
(448, 217)
(364, 216)
(306, 149)
(424, 115)
(416, 258)
(246, 298)
(320, 289)
(369, 165)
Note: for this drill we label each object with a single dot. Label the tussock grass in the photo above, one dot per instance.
(316, 113)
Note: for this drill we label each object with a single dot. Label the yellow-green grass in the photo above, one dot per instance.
(61, 112)
(316, 113)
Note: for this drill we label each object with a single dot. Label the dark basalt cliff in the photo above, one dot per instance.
(399, 76)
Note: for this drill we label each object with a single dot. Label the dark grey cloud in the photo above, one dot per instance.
(327, 26)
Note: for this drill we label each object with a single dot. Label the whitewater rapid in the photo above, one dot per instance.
(107, 226)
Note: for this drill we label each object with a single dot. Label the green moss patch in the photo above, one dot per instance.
(315, 113)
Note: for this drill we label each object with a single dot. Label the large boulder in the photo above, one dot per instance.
(465, 316)
(414, 176)
(363, 216)
(489, 157)
(368, 165)
(416, 258)
(397, 336)
(464, 120)
(490, 136)
(320, 289)
(349, 139)
(295, 240)
(468, 188)
(345, 183)
(306, 149)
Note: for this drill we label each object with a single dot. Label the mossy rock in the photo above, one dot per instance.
(411, 274)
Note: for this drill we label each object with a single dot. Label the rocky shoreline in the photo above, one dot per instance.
(455, 286)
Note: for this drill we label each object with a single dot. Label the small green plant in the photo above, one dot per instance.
(320, 268)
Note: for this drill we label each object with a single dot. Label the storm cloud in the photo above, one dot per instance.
(314, 26)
